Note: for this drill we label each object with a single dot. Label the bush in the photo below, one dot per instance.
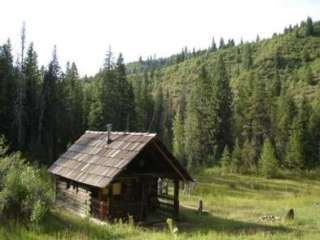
(25, 193)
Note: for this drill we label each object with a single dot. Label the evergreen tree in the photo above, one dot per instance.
(309, 30)
(223, 96)
(20, 111)
(33, 87)
(259, 114)
(7, 92)
(294, 158)
(222, 45)
(213, 46)
(73, 103)
(314, 133)
(108, 62)
(193, 150)
(303, 119)
(49, 111)
(285, 113)
(268, 164)
(125, 109)
(144, 103)
(247, 57)
(178, 138)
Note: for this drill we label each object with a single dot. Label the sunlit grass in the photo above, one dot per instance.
(235, 204)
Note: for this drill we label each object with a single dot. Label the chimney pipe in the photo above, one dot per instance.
(109, 129)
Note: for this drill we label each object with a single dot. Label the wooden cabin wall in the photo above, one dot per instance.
(73, 196)
(138, 198)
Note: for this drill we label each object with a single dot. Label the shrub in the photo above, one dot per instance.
(25, 194)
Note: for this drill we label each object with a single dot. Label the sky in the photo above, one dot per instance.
(82, 30)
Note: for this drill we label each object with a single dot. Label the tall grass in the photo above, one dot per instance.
(235, 204)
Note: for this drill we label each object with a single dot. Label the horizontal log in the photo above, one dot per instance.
(77, 209)
(166, 205)
(72, 200)
(167, 197)
(75, 195)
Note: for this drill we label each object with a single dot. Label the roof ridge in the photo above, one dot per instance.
(123, 133)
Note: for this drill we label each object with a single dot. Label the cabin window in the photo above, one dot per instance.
(116, 188)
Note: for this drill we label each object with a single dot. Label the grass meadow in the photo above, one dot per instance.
(235, 205)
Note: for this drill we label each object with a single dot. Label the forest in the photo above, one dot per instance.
(251, 107)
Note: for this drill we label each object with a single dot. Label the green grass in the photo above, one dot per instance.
(235, 204)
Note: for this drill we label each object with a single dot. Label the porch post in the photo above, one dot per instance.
(176, 197)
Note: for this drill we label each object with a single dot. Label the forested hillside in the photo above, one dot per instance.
(250, 107)
(254, 106)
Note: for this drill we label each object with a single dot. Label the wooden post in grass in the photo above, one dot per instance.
(200, 208)
(176, 197)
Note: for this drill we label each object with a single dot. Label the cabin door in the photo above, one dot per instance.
(144, 199)
(148, 192)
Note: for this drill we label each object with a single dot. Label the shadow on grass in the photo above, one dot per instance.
(191, 221)
(70, 226)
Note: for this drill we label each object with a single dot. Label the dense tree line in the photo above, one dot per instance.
(44, 109)
(220, 106)
(244, 116)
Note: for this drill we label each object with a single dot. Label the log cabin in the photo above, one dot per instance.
(112, 175)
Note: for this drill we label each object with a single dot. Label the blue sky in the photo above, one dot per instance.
(83, 29)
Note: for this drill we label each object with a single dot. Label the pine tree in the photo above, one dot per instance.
(73, 103)
(294, 158)
(108, 62)
(303, 119)
(247, 57)
(33, 87)
(126, 111)
(8, 88)
(222, 110)
(20, 111)
(95, 118)
(285, 113)
(193, 150)
(268, 164)
(222, 45)
(144, 103)
(178, 138)
(213, 46)
(259, 114)
(49, 111)
(314, 133)
(309, 29)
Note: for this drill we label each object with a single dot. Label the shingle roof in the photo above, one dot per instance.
(93, 162)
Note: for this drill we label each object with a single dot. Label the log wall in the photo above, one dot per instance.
(73, 196)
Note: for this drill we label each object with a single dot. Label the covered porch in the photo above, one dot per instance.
(142, 197)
